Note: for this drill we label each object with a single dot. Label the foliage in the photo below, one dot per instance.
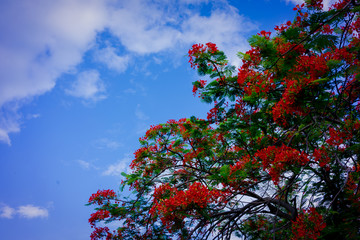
(277, 156)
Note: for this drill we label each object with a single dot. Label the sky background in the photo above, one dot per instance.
(82, 80)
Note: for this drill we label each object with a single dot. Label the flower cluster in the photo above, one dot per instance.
(198, 84)
(321, 156)
(174, 205)
(307, 225)
(276, 160)
(102, 195)
(98, 216)
(100, 232)
(198, 49)
(317, 4)
(286, 124)
(265, 34)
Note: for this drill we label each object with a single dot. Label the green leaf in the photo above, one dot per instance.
(225, 171)
(321, 80)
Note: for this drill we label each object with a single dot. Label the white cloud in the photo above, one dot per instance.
(26, 211)
(104, 143)
(117, 168)
(130, 91)
(113, 61)
(4, 135)
(143, 29)
(41, 40)
(9, 121)
(49, 39)
(194, 1)
(30, 211)
(225, 28)
(158, 27)
(140, 114)
(295, 1)
(33, 116)
(326, 3)
(136, 89)
(84, 164)
(7, 212)
(88, 85)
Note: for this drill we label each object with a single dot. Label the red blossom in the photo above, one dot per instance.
(307, 225)
(265, 34)
(198, 84)
(321, 156)
(100, 232)
(174, 205)
(198, 49)
(317, 4)
(276, 160)
(98, 216)
(102, 195)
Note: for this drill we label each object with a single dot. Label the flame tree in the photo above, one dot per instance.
(277, 156)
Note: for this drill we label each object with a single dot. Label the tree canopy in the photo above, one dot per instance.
(278, 156)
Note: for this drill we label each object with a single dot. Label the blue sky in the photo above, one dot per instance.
(82, 80)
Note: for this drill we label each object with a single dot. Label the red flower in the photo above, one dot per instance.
(276, 160)
(102, 195)
(307, 225)
(99, 215)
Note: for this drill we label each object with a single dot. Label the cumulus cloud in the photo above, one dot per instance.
(160, 27)
(143, 29)
(7, 212)
(41, 40)
(225, 28)
(44, 40)
(26, 211)
(109, 57)
(88, 86)
(30, 211)
(117, 168)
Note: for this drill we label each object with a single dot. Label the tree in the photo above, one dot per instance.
(278, 156)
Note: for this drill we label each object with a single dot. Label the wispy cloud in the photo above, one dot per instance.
(106, 143)
(295, 1)
(33, 116)
(84, 164)
(117, 168)
(194, 1)
(88, 86)
(136, 89)
(26, 211)
(87, 165)
(140, 115)
(5, 130)
(9, 120)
